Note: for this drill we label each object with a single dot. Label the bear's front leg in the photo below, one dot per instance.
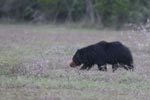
(84, 67)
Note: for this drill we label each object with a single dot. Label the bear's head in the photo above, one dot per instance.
(76, 60)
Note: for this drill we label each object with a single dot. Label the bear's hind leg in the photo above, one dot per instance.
(131, 67)
(125, 66)
(102, 68)
(114, 67)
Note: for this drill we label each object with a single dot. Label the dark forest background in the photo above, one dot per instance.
(103, 12)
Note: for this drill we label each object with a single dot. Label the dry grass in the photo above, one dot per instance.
(34, 65)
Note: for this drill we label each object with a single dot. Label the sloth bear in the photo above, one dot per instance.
(103, 53)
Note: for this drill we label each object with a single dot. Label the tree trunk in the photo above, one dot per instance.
(69, 6)
(98, 17)
(69, 15)
(90, 11)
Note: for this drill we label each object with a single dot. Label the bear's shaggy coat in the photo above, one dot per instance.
(103, 53)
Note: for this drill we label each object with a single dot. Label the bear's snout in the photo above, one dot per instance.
(72, 64)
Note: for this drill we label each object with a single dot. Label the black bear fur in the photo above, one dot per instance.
(103, 53)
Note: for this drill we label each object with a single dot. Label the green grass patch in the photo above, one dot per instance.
(59, 83)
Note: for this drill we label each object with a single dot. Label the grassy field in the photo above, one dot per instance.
(34, 65)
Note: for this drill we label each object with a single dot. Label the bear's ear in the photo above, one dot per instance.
(78, 50)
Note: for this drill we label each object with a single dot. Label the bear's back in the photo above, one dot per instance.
(120, 52)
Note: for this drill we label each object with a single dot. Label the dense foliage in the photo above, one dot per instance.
(106, 12)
